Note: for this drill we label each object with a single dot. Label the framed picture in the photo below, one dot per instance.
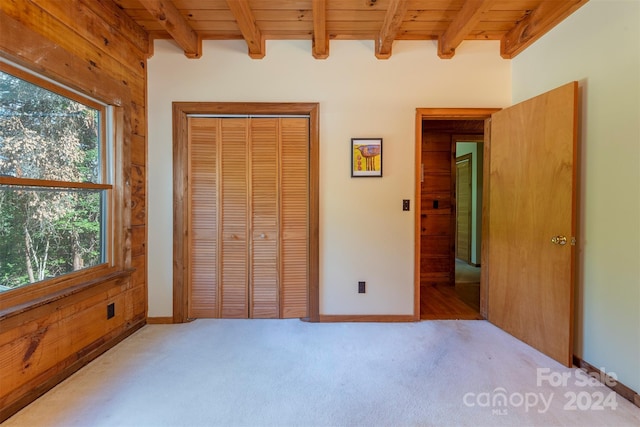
(366, 157)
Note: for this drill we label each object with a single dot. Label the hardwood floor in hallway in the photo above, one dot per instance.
(462, 301)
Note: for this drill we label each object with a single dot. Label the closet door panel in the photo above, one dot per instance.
(294, 248)
(233, 199)
(248, 217)
(263, 281)
(203, 298)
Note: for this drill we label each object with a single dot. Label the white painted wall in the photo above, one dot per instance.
(364, 234)
(599, 46)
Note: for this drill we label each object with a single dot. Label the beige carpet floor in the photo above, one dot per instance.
(292, 373)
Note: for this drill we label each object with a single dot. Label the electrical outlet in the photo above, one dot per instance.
(362, 287)
(406, 205)
(111, 310)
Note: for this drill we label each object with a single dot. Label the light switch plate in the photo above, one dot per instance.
(406, 205)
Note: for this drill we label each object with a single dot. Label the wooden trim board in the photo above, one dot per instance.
(621, 389)
(367, 318)
(161, 320)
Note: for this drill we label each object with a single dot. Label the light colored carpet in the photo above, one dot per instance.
(291, 373)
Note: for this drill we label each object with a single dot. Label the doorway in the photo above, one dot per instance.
(449, 283)
(529, 217)
(468, 206)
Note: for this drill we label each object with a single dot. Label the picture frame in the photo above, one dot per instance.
(366, 157)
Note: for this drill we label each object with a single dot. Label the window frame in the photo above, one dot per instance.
(113, 176)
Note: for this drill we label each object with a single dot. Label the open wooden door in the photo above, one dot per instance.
(532, 222)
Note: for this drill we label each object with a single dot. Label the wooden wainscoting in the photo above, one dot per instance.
(47, 340)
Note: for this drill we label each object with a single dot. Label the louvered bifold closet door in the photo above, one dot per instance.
(202, 204)
(294, 216)
(248, 210)
(233, 200)
(263, 283)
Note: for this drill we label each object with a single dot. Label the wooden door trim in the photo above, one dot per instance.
(484, 252)
(437, 114)
(181, 181)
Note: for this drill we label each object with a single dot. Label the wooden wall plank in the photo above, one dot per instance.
(138, 195)
(62, 330)
(119, 22)
(139, 276)
(436, 261)
(15, 45)
(138, 150)
(39, 21)
(101, 34)
(139, 246)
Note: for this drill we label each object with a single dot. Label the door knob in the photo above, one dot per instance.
(559, 240)
(262, 236)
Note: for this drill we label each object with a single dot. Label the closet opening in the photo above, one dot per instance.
(245, 210)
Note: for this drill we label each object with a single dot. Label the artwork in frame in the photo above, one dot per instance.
(366, 157)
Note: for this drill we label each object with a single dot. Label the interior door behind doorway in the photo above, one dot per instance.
(463, 207)
(532, 220)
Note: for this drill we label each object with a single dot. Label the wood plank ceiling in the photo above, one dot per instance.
(516, 23)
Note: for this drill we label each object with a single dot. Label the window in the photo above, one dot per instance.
(55, 190)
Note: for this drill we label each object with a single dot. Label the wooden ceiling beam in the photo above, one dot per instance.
(535, 24)
(166, 13)
(248, 27)
(390, 27)
(465, 21)
(320, 36)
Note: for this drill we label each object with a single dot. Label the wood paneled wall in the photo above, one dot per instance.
(91, 46)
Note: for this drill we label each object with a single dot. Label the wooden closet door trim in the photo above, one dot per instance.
(180, 215)
(180, 184)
